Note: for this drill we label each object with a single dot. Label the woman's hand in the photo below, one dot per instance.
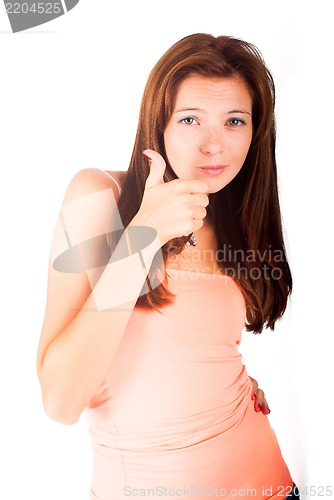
(258, 396)
(173, 209)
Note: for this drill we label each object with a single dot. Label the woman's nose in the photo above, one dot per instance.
(213, 142)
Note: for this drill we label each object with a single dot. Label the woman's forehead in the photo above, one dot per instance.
(196, 89)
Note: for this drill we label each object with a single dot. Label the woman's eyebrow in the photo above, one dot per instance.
(182, 110)
(242, 111)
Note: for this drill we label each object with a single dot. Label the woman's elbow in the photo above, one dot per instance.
(59, 411)
(57, 405)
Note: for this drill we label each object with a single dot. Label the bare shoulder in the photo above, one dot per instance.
(92, 180)
(119, 176)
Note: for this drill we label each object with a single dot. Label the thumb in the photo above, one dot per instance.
(157, 168)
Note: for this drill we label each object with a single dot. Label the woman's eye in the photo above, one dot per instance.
(188, 120)
(235, 122)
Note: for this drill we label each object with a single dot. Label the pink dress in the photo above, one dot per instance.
(174, 417)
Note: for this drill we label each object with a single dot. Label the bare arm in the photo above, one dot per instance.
(85, 316)
(87, 312)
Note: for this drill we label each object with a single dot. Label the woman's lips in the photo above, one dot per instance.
(214, 169)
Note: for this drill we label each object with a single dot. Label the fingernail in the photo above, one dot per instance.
(147, 156)
(268, 410)
(260, 406)
(253, 396)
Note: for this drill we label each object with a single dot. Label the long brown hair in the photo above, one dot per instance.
(251, 238)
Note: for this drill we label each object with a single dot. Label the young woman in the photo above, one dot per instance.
(142, 324)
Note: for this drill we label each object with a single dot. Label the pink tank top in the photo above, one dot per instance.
(174, 417)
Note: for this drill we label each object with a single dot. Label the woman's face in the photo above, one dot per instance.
(210, 130)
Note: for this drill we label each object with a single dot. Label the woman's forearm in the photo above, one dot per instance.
(78, 359)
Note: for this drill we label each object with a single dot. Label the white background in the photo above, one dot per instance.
(70, 95)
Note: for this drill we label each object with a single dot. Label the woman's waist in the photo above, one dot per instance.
(162, 424)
